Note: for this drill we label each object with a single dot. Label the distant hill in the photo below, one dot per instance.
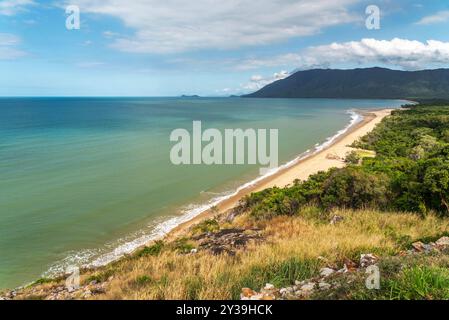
(370, 83)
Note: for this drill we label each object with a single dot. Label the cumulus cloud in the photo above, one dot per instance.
(257, 81)
(178, 25)
(398, 53)
(11, 7)
(8, 49)
(441, 16)
(407, 54)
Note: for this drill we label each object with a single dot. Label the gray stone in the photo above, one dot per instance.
(326, 272)
(308, 287)
(367, 260)
(324, 286)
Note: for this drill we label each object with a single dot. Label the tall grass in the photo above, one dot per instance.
(290, 252)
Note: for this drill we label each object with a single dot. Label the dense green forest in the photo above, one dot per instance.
(410, 172)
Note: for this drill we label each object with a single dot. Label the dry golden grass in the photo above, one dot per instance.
(291, 251)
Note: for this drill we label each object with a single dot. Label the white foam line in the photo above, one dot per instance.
(163, 228)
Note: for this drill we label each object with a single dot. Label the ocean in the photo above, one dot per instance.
(86, 180)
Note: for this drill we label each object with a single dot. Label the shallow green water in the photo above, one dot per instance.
(84, 180)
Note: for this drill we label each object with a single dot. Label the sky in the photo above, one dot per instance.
(206, 47)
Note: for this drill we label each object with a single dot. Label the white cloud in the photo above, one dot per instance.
(288, 60)
(257, 81)
(398, 53)
(395, 53)
(11, 7)
(178, 25)
(441, 16)
(8, 50)
(407, 54)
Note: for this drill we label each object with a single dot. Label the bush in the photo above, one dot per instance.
(352, 158)
(153, 250)
(210, 225)
(356, 189)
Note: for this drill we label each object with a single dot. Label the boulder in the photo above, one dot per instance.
(418, 246)
(367, 260)
(247, 293)
(326, 272)
(443, 242)
(308, 287)
(324, 286)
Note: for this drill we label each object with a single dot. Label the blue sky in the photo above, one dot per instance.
(206, 47)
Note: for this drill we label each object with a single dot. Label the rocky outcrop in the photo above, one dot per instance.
(227, 240)
(329, 277)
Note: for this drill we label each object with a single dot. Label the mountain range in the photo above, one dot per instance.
(368, 83)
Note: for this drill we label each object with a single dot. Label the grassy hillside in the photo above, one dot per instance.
(391, 207)
(370, 83)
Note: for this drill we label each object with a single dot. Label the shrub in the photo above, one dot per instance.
(152, 250)
(352, 158)
(210, 225)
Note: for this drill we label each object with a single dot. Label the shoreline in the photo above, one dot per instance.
(304, 165)
(301, 168)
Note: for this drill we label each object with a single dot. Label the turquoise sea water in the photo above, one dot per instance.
(83, 180)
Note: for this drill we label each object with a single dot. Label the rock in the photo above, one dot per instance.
(260, 296)
(299, 283)
(247, 293)
(429, 248)
(269, 286)
(443, 242)
(268, 297)
(299, 293)
(350, 265)
(367, 260)
(336, 219)
(97, 290)
(257, 297)
(326, 272)
(87, 294)
(193, 251)
(343, 270)
(324, 286)
(308, 287)
(418, 246)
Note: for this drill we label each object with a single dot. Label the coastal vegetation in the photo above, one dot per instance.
(410, 172)
(390, 203)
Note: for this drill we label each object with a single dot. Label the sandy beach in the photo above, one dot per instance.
(330, 157)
